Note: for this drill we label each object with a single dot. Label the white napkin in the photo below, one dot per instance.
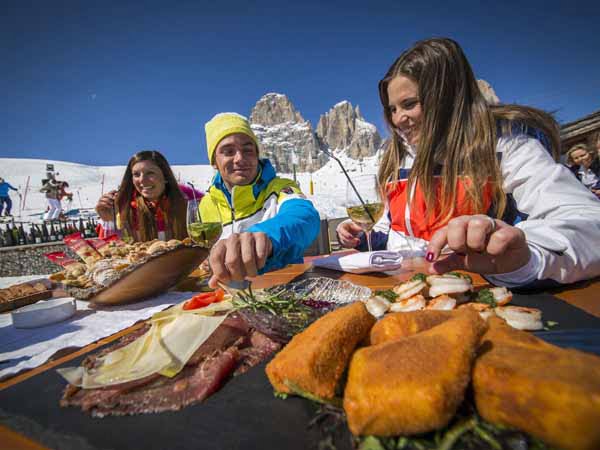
(362, 262)
(22, 349)
(409, 246)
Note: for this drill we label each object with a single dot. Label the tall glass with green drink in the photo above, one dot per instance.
(364, 203)
(202, 233)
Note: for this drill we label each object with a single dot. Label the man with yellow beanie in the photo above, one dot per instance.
(267, 221)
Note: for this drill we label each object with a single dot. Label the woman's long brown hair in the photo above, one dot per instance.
(177, 205)
(458, 128)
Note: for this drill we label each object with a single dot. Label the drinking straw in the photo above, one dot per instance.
(350, 181)
(193, 191)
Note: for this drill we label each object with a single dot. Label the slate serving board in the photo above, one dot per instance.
(244, 414)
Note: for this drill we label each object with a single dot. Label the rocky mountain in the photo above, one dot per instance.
(274, 109)
(285, 136)
(344, 128)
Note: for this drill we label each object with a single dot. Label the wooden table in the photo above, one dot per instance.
(584, 295)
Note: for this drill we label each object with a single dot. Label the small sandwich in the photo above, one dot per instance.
(401, 325)
(442, 302)
(520, 317)
(408, 289)
(496, 296)
(414, 303)
(377, 305)
(484, 310)
(449, 283)
(312, 363)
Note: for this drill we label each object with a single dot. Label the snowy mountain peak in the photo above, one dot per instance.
(273, 109)
(344, 128)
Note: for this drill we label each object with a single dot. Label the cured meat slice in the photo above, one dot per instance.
(261, 347)
(233, 348)
(193, 384)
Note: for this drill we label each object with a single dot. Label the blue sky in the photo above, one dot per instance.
(94, 82)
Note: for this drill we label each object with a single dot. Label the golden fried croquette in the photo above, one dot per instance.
(552, 393)
(403, 324)
(414, 384)
(314, 360)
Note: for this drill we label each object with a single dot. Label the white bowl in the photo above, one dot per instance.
(44, 312)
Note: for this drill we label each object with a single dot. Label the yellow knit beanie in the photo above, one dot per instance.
(221, 126)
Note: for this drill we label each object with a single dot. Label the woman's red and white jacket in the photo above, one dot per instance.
(560, 218)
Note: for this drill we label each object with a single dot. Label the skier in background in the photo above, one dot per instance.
(62, 193)
(5, 200)
(51, 187)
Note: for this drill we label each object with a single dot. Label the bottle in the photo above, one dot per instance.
(90, 229)
(45, 234)
(37, 234)
(93, 226)
(8, 236)
(3, 238)
(86, 230)
(30, 235)
(52, 232)
(81, 227)
(22, 237)
(60, 235)
(15, 233)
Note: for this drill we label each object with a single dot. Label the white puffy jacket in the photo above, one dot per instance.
(563, 224)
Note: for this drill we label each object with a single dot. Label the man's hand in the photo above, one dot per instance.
(348, 234)
(239, 256)
(105, 206)
(481, 244)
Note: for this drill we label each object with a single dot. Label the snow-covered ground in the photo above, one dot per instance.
(88, 182)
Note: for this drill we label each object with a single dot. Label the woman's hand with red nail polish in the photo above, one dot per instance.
(479, 245)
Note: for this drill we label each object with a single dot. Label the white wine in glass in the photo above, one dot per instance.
(364, 203)
(202, 233)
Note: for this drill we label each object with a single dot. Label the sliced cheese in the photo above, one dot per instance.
(164, 349)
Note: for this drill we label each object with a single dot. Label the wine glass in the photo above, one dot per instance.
(364, 202)
(203, 233)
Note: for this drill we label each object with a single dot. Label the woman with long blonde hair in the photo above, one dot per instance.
(464, 175)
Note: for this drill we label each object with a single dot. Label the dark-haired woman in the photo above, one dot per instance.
(479, 180)
(150, 204)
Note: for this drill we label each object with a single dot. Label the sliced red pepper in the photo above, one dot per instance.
(220, 294)
(204, 299)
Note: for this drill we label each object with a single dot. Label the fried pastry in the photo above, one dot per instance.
(315, 359)
(404, 324)
(550, 392)
(414, 384)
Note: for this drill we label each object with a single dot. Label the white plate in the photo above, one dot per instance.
(44, 312)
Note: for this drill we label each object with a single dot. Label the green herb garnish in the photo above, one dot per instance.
(486, 296)
(336, 401)
(281, 395)
(466, 431)
(372, 443)
(461, 275)
(387, 294)
(419, 276)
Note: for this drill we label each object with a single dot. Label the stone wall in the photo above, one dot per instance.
(29, 259)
